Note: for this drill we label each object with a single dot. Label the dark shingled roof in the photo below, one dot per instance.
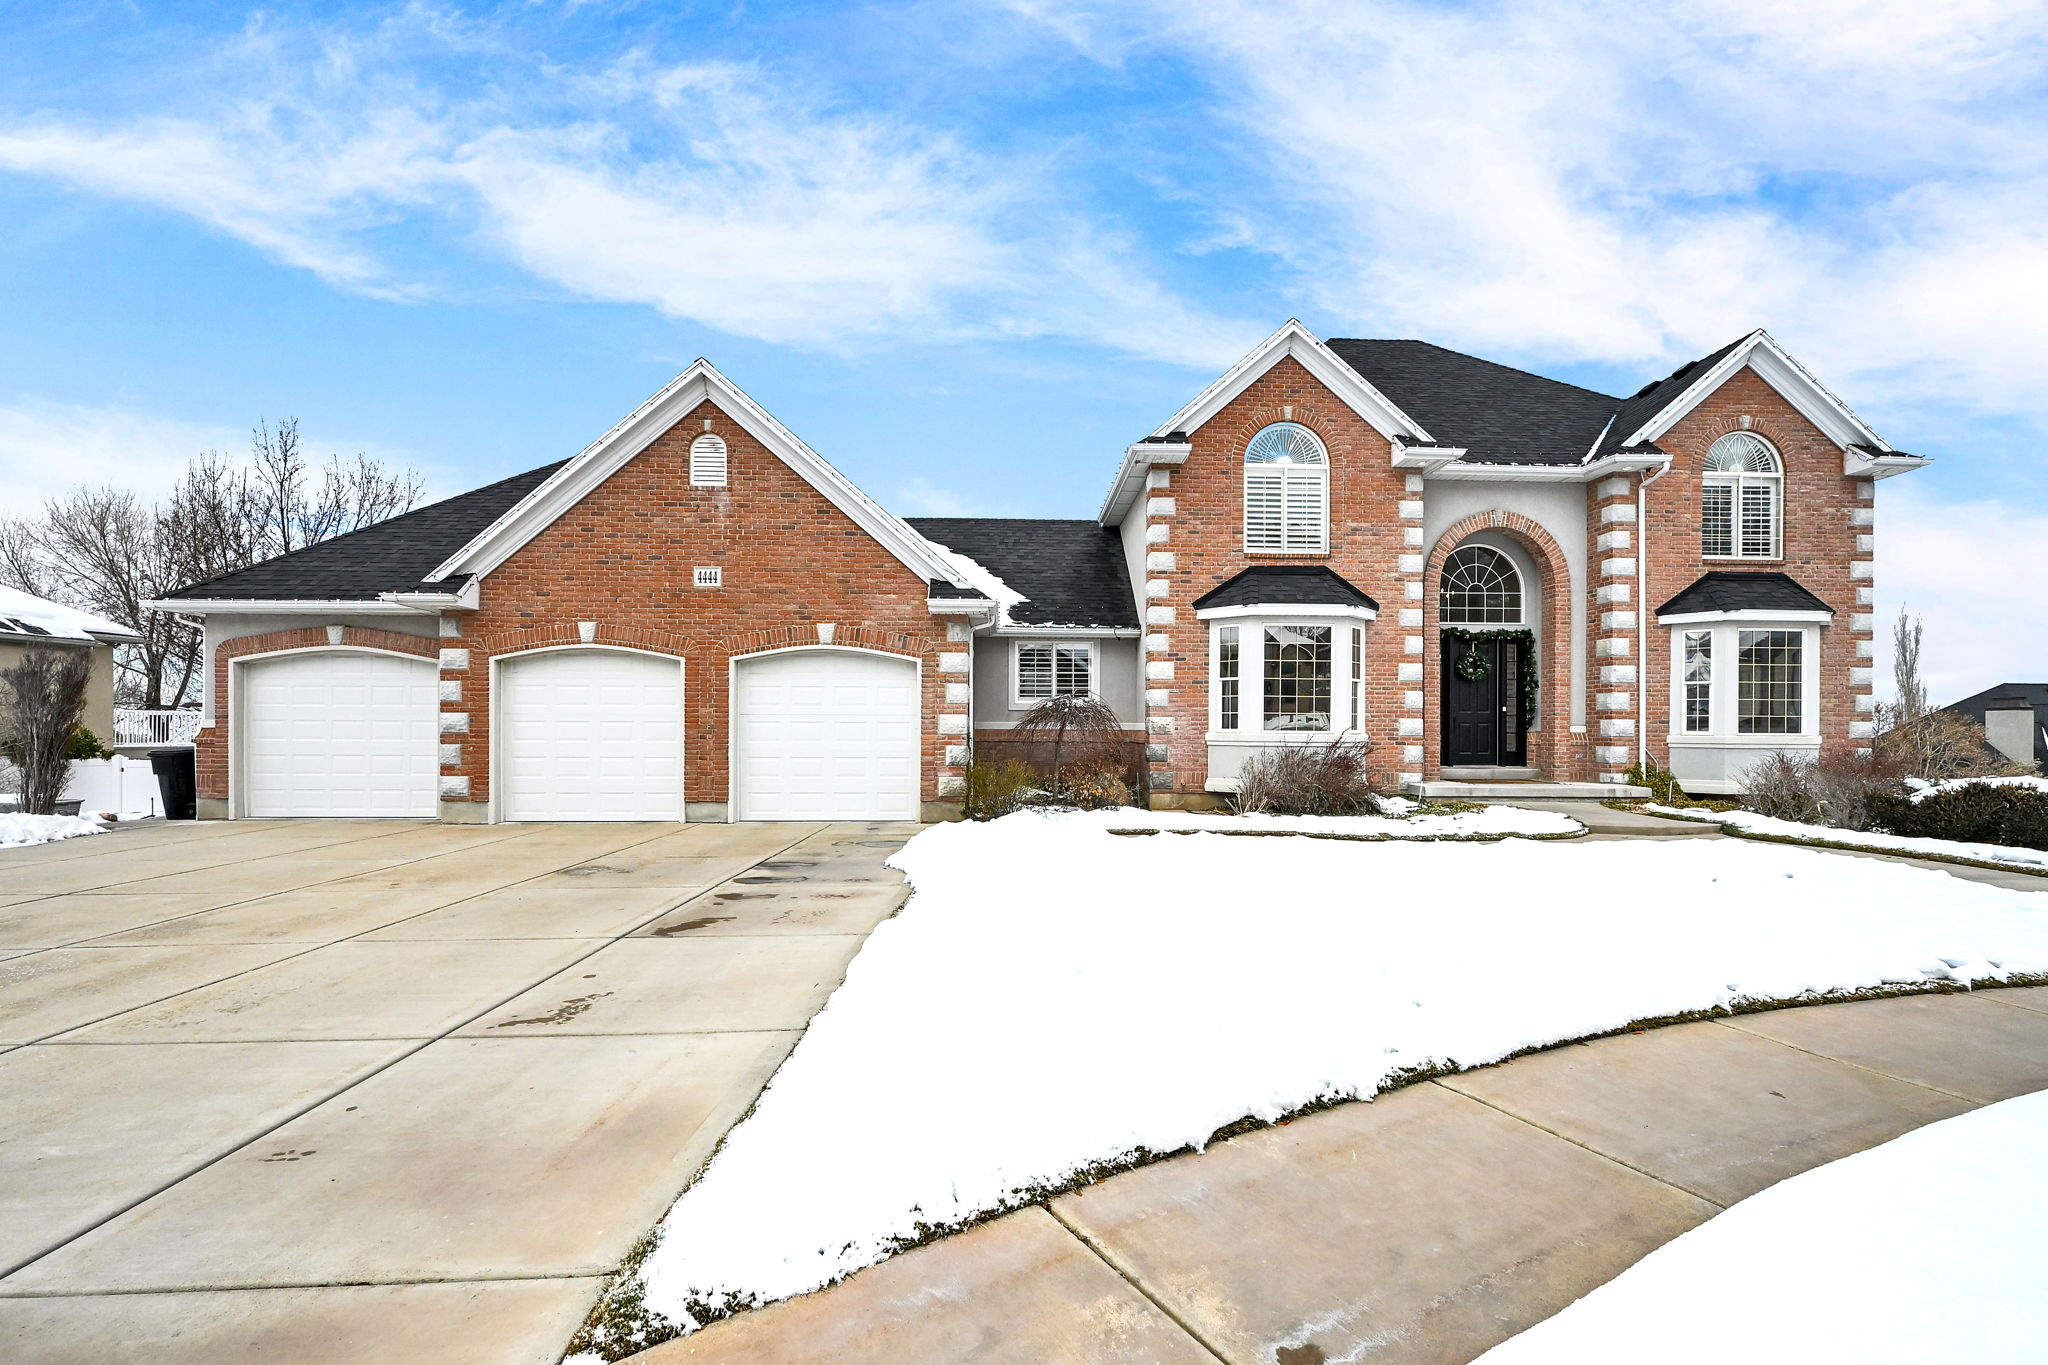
(2011, 696)
(1652, 399)
(1073, 571)
(392, 556)
(1500, 415)
(1727, 590)
(1285, 585)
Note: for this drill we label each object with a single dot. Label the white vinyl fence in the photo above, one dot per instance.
(124, 787)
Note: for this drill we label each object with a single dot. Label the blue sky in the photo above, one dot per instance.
(969, 251)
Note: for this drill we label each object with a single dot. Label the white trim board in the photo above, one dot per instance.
(1775, 366)
(604, 457)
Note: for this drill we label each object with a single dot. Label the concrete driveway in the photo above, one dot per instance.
(364, 1091)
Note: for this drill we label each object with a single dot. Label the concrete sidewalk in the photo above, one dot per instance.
(1427, 1225)
(359, 1091)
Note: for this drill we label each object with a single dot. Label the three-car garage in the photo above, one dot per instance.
(580, 733)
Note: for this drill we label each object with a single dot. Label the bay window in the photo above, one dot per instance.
(1285, 677)
(1743, 683)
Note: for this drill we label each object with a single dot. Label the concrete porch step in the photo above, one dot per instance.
(1517, 791)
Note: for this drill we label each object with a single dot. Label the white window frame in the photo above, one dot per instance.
(1020, 702)
(1347, 688)
(1738, 484)
(1725, 685)
(1290, 484)
(1521, 583)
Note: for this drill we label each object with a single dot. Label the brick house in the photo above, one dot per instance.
(1487, 574)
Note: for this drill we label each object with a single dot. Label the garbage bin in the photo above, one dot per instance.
(177, 781)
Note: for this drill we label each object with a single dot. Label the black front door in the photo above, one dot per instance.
(1486, 719)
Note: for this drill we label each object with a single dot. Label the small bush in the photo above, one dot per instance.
(86, 744)
(1834, 791)
(1980, 813)
(1664, 788)
(1938, 745)
(1308, 779)
(997, 787)
(1099, 788)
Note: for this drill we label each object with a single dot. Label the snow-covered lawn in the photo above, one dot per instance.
(17, 830)
(1055, 997)
(1487, 822)
(1927, 1248)
(1749, 822)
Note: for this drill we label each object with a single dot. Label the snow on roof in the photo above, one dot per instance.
(22, 614)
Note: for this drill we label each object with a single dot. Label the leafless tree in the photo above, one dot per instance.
(107, 552)
(1912, 702)
(297, 512)
(43, 697)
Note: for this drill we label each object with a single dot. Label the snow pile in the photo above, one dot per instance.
(1922, 788)
(1054, 996)
(1749, 822)
(18, 831)
(1927, 1248)
(1488, 822)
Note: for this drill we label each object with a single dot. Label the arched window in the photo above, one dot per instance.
(1480, 587)
(1286, 491)
(1742, 499)
(707, 461)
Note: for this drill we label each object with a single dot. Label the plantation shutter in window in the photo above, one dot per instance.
(1717, 519)
(707, 461)
(1286, 491)
(1759, 520)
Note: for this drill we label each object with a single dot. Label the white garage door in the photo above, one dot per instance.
(826, 735)
(339, 733)
(590, 734)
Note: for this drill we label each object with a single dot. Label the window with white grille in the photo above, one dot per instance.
(1286, 491)
(1045, 671)
(708, 576)
(1734, 683)
(1699, 681)
(707, 461)
(1286, 676)
(1742, 499)
(1480, 587)
(1770, 689)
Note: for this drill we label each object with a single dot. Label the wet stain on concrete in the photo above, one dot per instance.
(746, 896)
(704, 922)
(560, 1014)
(1310, 1354)
(590, 871)
(292, 1154)
(767, 881)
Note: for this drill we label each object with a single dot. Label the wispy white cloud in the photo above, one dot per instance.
(1629, 183)
(718, 192)
(50, 448)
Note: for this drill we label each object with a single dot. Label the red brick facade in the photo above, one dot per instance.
(1821, 542)
(1205, 535)
(623, 558)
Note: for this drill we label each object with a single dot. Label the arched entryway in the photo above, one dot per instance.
(1490, 677)
(1498, 599)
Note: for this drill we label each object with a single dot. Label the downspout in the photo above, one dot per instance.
(1643, 612)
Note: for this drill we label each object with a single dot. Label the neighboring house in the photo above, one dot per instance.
(27, 621)
(1485, 573)
(2015, 720)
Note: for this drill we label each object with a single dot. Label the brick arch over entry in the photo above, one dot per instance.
(1552, 746)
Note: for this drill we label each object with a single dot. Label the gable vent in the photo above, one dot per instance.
(707, 461)
(708, 576)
